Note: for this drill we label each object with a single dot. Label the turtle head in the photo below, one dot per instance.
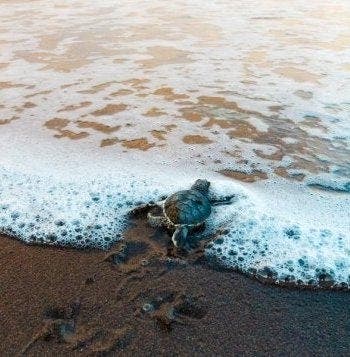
(201, 185)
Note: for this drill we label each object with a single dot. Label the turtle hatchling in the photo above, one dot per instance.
(182, 212)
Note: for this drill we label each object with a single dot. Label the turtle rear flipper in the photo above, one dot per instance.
(141, 210)
(179, 237)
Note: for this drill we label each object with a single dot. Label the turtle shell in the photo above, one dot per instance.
(187, 207)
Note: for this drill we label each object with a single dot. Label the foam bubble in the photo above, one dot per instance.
(258, 234)
(285, 244)
(41, 210)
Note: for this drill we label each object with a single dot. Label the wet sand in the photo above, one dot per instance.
(142, 298)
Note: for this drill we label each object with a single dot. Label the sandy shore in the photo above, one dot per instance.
(138, 301)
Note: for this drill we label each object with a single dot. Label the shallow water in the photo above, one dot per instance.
(103, 106)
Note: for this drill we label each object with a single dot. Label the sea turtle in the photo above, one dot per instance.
(182, 212)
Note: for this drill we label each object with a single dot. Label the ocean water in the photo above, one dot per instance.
(105, 105)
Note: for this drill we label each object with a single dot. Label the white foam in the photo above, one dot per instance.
(280, 229)
(45, 210)
(305, 240)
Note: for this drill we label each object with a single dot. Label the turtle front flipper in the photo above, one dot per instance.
(222, 200)
(179, 237)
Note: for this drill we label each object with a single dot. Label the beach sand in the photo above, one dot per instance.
(141, 300)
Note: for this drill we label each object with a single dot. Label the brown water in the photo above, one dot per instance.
(245, 86)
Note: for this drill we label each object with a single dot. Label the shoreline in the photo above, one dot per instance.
(134, 300)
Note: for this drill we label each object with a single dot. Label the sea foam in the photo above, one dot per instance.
(85, 214)
(299, 241)
(255, 234)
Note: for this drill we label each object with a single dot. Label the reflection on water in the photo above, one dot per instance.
(253, 89)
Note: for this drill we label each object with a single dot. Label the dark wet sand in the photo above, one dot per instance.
(67, 302)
